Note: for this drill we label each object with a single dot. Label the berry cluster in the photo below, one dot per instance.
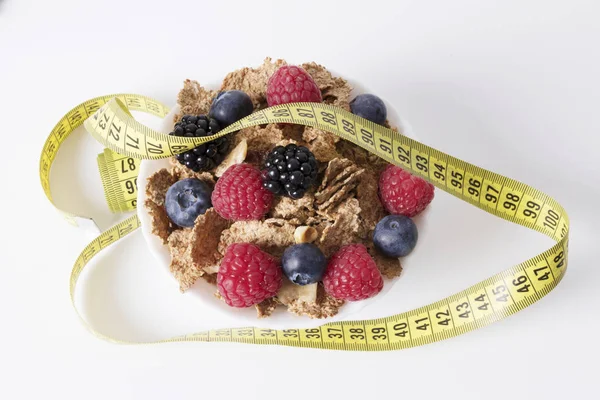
(208, 155)
(239, 194)
(291, 84)
(248, 275)
(290, 170)
(352, 274)
(403, 193)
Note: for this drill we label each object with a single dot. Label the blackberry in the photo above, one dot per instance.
(290, 170)
(208, 155)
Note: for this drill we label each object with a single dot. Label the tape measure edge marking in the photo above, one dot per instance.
(551, 203)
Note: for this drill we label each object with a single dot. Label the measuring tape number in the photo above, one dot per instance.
(108, 119)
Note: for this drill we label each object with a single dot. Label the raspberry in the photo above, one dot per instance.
(290, 84)
(352, 274)
(403, 193)
(247, 275)
(239, 194)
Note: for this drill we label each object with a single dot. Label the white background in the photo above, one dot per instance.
(512, 86)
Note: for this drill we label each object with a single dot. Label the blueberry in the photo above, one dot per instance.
(186, 199)
(395, 236)
(231, 106)
(303, 263)
(370, 107)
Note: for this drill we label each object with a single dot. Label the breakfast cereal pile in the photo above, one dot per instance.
(282, 215)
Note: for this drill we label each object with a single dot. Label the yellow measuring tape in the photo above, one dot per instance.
(119, 179)
(108, 119)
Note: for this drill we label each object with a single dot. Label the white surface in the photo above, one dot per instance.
(512, 86)
(214, 312)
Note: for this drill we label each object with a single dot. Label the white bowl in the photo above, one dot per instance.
(203, 293)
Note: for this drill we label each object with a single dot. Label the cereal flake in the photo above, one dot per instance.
(388, 266)
(344, 230)
(194, 99)
(340, 179)
(371, 209)
(325, 306)
(334, 90)
(158, 184)
(272, 235)
(161, 224)
(298, 210)
(253, 81)
(206, 235)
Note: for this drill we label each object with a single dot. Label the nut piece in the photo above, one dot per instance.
(236, 156)
(305, 234)
(290, 292)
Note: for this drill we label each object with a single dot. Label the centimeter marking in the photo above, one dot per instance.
(501, 196)
(492, 299)
(119, 177)
(76, 117)
(107, 184)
